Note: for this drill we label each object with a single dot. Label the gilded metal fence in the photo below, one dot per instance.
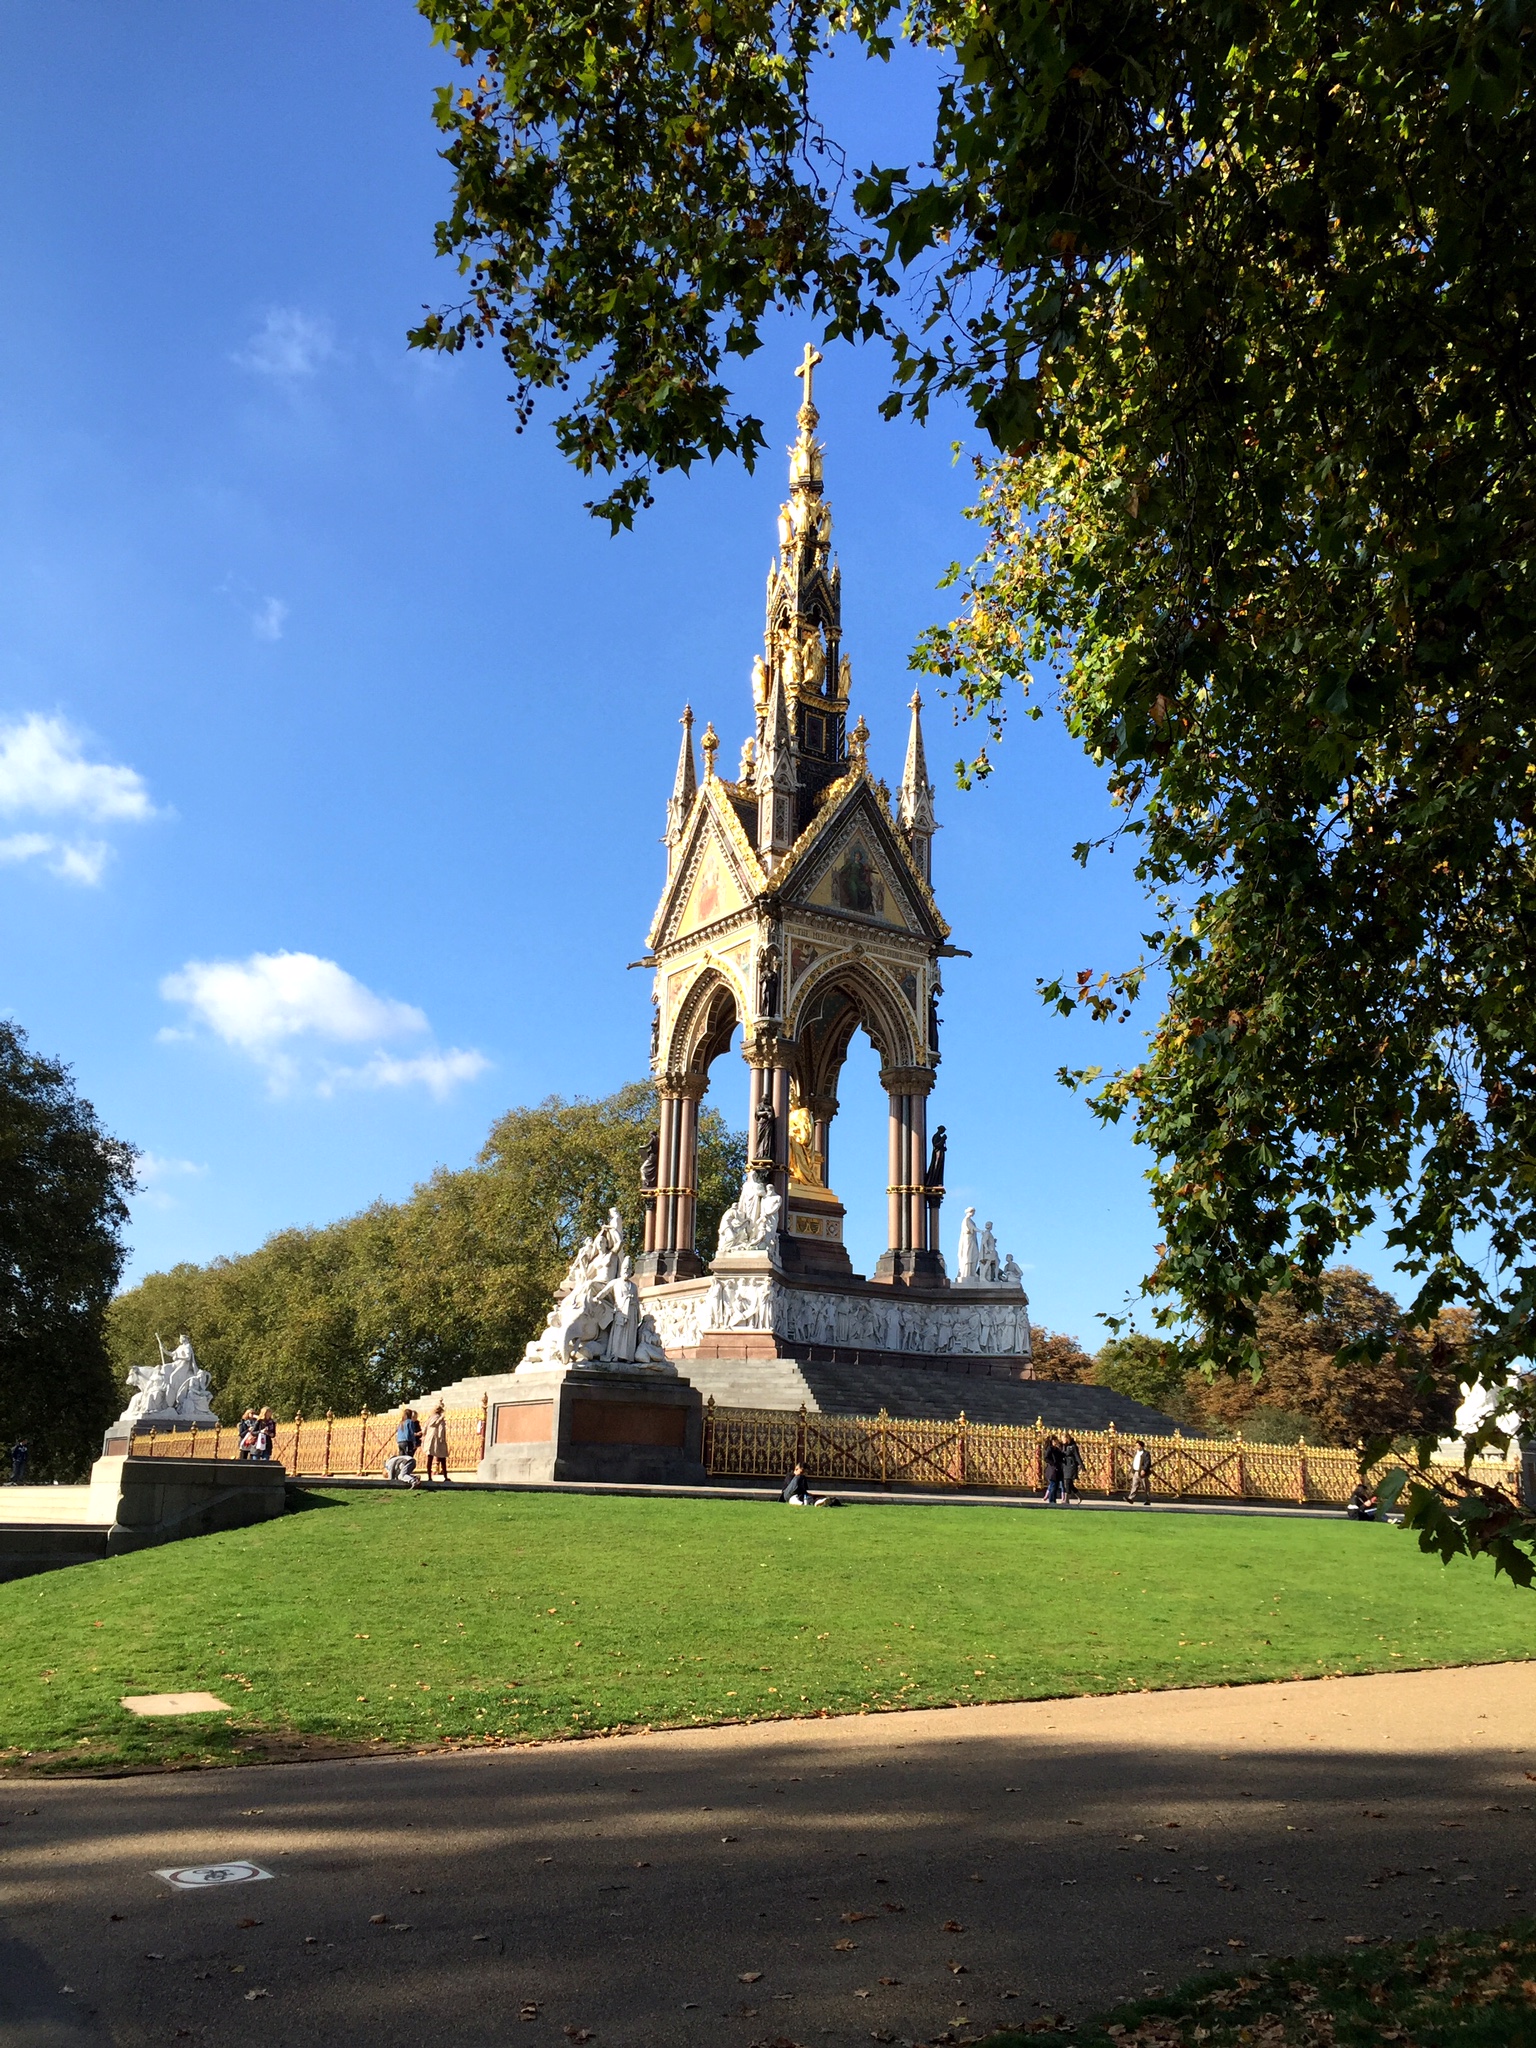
(763, 1443)
(340, 1446)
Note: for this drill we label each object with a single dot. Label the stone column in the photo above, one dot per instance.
(688, 1167)
(910, 1259)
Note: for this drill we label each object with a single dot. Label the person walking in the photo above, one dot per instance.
(434, 1443)
(1052, 1462)
(1071, 1466)
(21, 1450)
(1141, 1474)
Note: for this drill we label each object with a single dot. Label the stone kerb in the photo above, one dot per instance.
(160, 1500)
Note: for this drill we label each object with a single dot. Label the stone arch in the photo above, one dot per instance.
(701, 1029)
(870, 999)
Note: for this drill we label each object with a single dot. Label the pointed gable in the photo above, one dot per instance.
(851, 861)
(716, 873)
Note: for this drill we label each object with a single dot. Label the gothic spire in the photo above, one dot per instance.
(777, 780)
(914, 805)
(802, 663)
(684, 786)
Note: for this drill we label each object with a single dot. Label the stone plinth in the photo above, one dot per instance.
(750, 1307)
(595, 1422)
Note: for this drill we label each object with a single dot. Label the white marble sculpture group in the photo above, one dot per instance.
(174, 1390)
(751, 1224)
(597, 1319)
(979, 1265)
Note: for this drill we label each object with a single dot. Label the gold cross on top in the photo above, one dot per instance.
(806, 368)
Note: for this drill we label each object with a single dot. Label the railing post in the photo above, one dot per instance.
(362, 1446)
(800, 1437)
(884, 1425)
(485, 1413)
(708, 1445)
(960, 1451)
(1301, 1471)
(329, 1423)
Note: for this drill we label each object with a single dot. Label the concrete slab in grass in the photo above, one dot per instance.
(175, 1703)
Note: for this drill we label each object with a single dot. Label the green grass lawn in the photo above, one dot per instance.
(423, 1617)
(1458, 1989)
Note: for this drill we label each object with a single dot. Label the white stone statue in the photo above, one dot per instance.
(176, 1389)
(970, 1254)
(596, 1316)
(751, 1224)
(986, 1255)
(1013, 1272)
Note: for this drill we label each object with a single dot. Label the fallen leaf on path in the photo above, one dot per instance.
(750, 1977)
(579, 2034)
(1233, 1942)
(957, 1969)
(247, 1923)
(378, 1919)
(952, 1927)
(254, 1994)
(1356, 1940)
(891, 1906)
(849, 1918)
(529, 2012)
(845, 1943)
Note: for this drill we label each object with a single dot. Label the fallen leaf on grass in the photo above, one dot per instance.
(849, 1918)
(952, 1927)
(750, 1977)
(845, 1943)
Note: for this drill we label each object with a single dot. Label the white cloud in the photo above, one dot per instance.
(42, 769)
(280, 1009)
(44, 773)
(437, 1072)
(156, 1175)
(288, 345)
(268, 618)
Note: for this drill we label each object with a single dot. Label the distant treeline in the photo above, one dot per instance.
(1411, 1386)
(410, 1295)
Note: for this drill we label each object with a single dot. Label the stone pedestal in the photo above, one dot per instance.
(812, 1239)
(595, 1422)
(911, 1268)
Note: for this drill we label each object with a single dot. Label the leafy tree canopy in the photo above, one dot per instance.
(64, 1185)
(449, 1284)
(1240, 294)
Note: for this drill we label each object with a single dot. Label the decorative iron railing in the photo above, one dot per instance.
(333, 1446)
(886, 1450)
(763, 1443)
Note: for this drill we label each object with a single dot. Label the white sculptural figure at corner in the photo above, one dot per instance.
(174, 1390)
(596, 1318)
(978, 1262)
(751, 1224)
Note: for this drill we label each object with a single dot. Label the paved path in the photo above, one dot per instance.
(876, 1877)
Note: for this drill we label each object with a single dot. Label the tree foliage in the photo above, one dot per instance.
(1241, 294)
(446, 1285)
(64, 1184)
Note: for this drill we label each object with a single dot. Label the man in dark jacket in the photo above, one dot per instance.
(1071, 1465)
(1052, 1464)
(21, 1450)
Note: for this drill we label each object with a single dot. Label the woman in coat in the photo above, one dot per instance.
(434, 1443)
(1071, 1466)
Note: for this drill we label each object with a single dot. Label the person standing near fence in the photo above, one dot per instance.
(265, 1437)
(1141, 1473)
(1052, 1462)
(21, 1450)
(434, 1443)
(407, 1436)
(245, 1435)
(1071, 1466)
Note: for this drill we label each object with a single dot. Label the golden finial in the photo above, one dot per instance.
(858, 741)
(915, 702)
(711, 746)
(806, 369)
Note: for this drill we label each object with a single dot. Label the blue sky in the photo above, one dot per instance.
(304, 653)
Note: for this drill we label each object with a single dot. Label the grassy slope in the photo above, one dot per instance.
(1458, 1989)
(418, 1617)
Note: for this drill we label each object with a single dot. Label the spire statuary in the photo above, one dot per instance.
(914, 805)
(684, 788)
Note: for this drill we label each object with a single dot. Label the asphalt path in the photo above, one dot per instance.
(892, 1877)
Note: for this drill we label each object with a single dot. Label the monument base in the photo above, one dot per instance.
(911, 1269)
(595, 1422)
(682, 1264)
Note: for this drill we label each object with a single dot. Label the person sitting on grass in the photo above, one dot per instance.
(796, 1493)
(1361, 1506)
